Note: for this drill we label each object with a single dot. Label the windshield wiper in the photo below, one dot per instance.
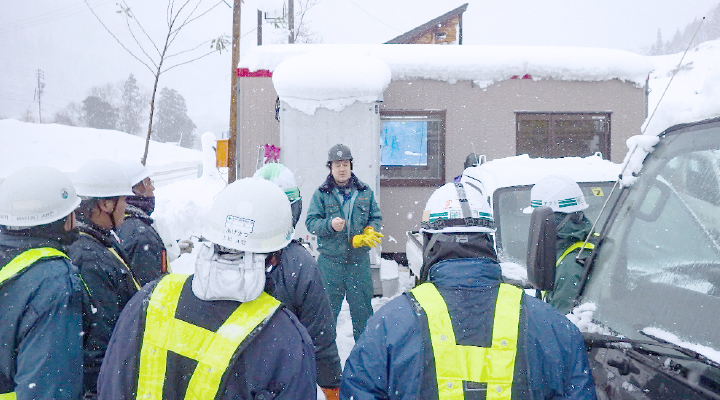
(605, 340)
(691, 353)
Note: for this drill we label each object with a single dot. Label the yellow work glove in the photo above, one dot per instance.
(331, 394)
(370, 238)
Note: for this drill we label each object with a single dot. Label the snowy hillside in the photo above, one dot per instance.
(68, 147)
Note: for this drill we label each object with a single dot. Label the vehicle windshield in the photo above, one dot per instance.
(659, 264)
(513, 225)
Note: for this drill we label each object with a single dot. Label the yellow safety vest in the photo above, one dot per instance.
(212, 350)
(575, 246)
(20, 263)
(572, 248)
(494, 365)
(122, 261)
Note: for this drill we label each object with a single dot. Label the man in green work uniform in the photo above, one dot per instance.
(572, 228)
(346, 219)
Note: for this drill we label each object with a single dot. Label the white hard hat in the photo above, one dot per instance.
(457, 208)
(36, 196)
(135, 171)
(558, 192)
(281, 176)
(250, 215)
(102, 178)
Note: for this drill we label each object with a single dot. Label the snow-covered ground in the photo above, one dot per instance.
(184, 199)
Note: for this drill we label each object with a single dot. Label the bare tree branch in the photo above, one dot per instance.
(115, 37)
(127, 22)
(189, 61)
(137, 21)
(169, 56)
(187, 22)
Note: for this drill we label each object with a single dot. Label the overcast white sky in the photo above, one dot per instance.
(65, 41)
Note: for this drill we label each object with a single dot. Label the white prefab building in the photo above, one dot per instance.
(411, 114)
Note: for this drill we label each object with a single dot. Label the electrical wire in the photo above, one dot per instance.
(57, 14)
(374, 17)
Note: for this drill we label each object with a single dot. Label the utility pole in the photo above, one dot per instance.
(291, 21)
(233, 139)
(259, 28)
(39, 92)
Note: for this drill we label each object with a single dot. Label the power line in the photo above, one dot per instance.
(59, 13)
(374, 17)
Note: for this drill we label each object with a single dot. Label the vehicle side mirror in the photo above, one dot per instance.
(541, 249)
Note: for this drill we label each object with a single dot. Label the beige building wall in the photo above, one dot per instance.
(483, 121)
(479, 120)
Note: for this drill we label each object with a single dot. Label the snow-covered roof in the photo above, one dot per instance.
(523, 170)
(484, 65)
(330, 79)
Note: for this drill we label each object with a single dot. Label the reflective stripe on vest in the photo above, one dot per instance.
(26, 259)
(212, 350)
(122, 261)
(18, 264)
(455, 363)
(572, 248)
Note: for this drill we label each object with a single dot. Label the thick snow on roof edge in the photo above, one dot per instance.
(483, 65)
(333, 80)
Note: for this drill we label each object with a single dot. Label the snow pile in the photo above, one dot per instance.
(694, 93)
(708, 352)
(483, 65)
(582, 317)
(691, 95)
(332, 80)
(68, 147)
(639, 147)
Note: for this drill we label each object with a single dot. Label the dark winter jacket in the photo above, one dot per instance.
(110, 283)
(325, 206)
(41, 330)
(277, 363)
(571, 229)
(297, 283)
(393, 358)
(142, 245)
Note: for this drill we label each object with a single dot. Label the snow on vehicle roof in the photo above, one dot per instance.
(692, 94)
(523, 170)
(483, 65)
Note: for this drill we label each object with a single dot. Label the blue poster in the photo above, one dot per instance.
(404, 143)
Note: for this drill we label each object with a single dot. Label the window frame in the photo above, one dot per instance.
(605, 142)
(398, 180)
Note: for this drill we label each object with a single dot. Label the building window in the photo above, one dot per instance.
(413, 147)
(553, 135)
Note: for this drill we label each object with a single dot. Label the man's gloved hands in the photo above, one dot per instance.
(185, 245)
(370, 238)
(331, 394)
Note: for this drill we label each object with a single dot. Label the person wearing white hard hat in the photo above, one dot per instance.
(215, 334)
(345, 217)
(103, 186)
(462, 333)
(41, 292)
(572, 228)
(293, 277)
(149, 254)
